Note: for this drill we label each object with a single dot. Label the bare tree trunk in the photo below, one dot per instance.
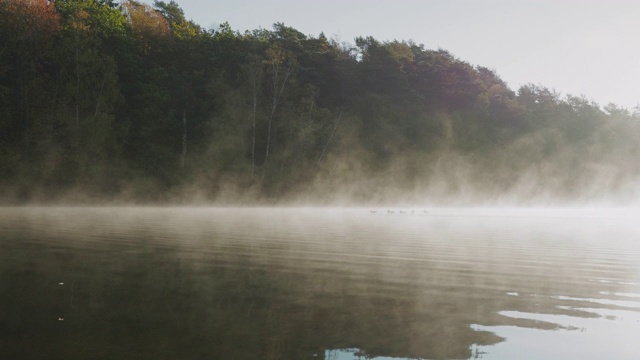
(95, 113)
(335, 126)
(253, 126)
(286, 149)
(184, 139)
(77, 60)
(254, 73)
(303, 126)
(274, 104)
(52, 116)
(27, 116)
(277, 94)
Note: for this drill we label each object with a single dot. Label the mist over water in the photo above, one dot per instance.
(329, 283)
(154, 109)
(504, 239)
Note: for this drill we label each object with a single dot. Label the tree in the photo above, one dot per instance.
(89, 75)
(281, 66)
(28, 31)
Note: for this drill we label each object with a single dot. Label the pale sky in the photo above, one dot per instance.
(586, 47)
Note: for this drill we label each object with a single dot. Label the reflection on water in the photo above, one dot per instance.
(349, 354)
(243, 283)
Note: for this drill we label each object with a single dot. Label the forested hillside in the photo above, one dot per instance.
(129, 102)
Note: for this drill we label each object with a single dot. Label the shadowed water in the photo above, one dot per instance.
(259, 283)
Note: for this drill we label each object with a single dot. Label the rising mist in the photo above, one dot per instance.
(104, 103)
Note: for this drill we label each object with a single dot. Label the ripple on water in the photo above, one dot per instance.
(258, 282)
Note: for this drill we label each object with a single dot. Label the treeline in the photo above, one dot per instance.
(133, 102)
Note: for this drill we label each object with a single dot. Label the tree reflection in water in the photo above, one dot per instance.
(223, 287)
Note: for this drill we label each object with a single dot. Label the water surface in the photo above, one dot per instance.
(296, 283)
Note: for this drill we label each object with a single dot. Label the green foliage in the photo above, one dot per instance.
(136, 100)
(102, 18)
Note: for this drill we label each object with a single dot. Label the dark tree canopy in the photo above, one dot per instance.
(126, 101)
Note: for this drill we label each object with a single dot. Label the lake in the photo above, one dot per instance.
(319, 283)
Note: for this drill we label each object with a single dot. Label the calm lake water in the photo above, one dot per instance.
(261, 283)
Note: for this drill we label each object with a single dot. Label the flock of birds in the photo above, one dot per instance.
(400, 211)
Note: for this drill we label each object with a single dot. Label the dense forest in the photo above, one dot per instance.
(114, 102)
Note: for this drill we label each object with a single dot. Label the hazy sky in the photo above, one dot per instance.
(586, 47)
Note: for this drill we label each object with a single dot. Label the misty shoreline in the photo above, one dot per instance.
(155, 110)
